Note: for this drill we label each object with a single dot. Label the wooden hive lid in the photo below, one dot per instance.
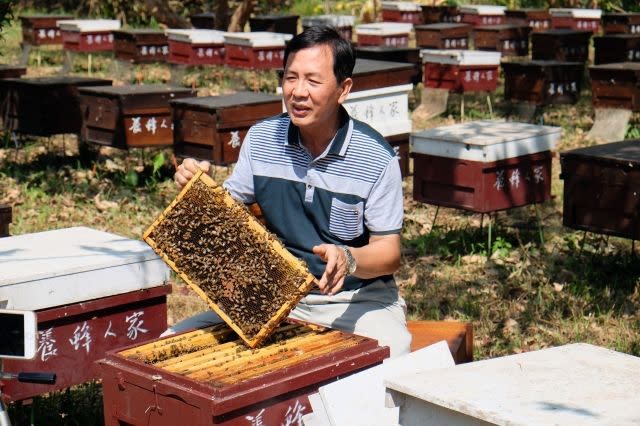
(229, 259)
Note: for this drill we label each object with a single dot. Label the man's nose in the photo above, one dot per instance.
(300, 89)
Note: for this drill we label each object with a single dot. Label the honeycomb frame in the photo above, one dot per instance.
(299, 278)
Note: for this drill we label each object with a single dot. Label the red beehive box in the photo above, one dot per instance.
(45, 106)
(601, 188)
(92, 291)
(256, 50)
(212, 128)
(342, 23)
(616, 48)
(478, 15)
(483, 166)
(140, 45)
(536, 19)
(576, 19)
(443, 36)
(616, 85)
(283, 24)
(436, 14)
(561, 45)
(196, 47)
(5, 220)
(88, 35)
(41, 29)
(129, 116)
(460, 70)
(12, 71)
(406, 55)
(390, 34)
(510, 40)
(401, 11)
(208, 376)
(543, 82)
(621, 23)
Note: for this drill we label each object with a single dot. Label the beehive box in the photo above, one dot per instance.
(561, 45)
(478, 15)
(88, 35)
(401, 11)
(207, 20)
(435, 14)
(196, 47)
(5, 219)
(46, 106)
(616, 48)
(601, 188)
(460, 70)
(140, 45)
(405, 55)
(443, 36)
(371, 74)
(92, 291)
(226, 256)
(212, 128)
(483, 166)
(510, 40)
(616, 85)
(41, 29)
(342, 23)
(390, 34)
(256, 50)
(284, 24)
(576, 19)
(543, 82)
(536, 19)
(209, 377)
(621, 23)
(129, 116)
(12, 71)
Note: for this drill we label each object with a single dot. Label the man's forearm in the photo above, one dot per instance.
(380, 257)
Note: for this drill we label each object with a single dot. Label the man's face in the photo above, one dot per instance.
(311, 93)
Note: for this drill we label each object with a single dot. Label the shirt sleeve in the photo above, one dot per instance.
(384, 209)
(240, 183)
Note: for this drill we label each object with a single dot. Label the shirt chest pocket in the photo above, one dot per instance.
(345, 221)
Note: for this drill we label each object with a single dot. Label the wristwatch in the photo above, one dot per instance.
(351, 261)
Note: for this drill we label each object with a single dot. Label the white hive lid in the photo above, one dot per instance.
(69, 265)
(89, 25)
(482, 9)
(403, 6)
(576, 13)
(575, 384)
(384, 28)
(485, 140)
(196, 36)
(460, 57)
(257, 38)
(338, 21)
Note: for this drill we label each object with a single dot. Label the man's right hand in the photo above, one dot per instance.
(188, 169)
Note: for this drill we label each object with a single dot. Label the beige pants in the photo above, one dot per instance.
(375, 311)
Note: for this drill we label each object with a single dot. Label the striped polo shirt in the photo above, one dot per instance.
(349, 192)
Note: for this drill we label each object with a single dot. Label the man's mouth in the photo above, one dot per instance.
(299, 110)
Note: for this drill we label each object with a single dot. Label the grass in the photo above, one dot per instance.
(522, 293)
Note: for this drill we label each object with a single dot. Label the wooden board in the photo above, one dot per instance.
(245, 274)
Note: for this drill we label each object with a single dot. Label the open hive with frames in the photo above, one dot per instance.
(229, 259)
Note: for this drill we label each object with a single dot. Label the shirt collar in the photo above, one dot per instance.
(340, 141)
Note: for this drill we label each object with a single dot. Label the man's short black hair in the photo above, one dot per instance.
(344, 56)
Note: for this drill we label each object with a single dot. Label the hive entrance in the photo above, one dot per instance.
(229, 259)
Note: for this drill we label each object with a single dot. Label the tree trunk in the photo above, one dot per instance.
(241, 16)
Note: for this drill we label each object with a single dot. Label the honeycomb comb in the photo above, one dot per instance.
(229, 259)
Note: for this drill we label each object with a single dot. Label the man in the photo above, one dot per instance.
(330, 188)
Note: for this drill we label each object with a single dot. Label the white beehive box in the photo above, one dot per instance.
(576, 13)
(401, 6)
(196, 36)
(258, 39)
(336, 21)
(460, 57)
(576, 384)
(89, 25)
(384, 29)
(485, 141)
(482, 9)
(71, 265)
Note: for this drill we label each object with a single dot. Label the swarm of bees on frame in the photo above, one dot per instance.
(237, 268)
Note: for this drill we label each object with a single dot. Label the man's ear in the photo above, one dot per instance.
(345, 89)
